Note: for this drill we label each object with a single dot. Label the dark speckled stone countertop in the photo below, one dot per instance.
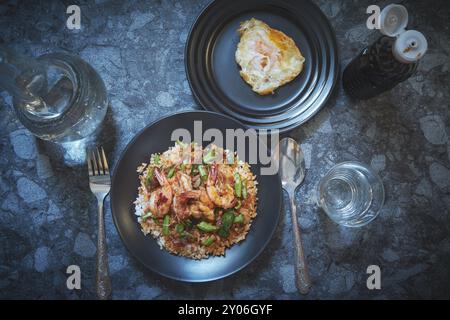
(48, 216)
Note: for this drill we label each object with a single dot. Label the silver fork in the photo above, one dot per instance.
(100, 183)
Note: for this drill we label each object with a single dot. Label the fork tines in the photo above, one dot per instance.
(97, 164)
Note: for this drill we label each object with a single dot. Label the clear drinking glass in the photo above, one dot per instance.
(351, 194)
(58, 96)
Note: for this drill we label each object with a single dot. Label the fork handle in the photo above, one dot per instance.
(103, 280)
(302, 279)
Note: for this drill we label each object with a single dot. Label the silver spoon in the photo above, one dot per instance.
(292, 173)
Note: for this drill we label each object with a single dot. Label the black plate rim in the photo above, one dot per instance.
(119, 231)
(263, 125)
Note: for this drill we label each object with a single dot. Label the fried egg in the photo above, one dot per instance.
(268, 58)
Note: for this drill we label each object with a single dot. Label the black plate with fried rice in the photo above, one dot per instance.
(156, 138)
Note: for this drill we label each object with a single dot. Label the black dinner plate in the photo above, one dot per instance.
(213, 73)
(156, 137)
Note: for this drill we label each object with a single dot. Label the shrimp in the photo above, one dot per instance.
(161, 198)
(183, 182)
(182, 188)
(203, 207)
(219, 186)
(180, 204)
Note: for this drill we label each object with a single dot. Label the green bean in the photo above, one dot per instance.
(207, 227)
(238, 204)
(186, 234)
(194, 170)
(244, 189)
(188, 223)
(202, 171)
(171, 172)
(179, 228)
(207, 158)
(166, 223)
(227, 221)
(223, 233)
(146, 216)
(156, 158)
(239, 219)
(149, 177)
(237, 185)
(208, 241)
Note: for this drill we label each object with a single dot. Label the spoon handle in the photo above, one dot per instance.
(301, 270)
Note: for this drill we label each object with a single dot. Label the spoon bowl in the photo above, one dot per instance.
(292, 164)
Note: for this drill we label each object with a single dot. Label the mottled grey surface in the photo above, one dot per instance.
(48, 216)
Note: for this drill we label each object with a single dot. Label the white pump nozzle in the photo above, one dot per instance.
(410, 45)
(393, 20)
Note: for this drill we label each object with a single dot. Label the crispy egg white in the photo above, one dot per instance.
(268, 58)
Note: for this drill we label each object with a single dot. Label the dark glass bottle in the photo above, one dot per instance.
(375, 70)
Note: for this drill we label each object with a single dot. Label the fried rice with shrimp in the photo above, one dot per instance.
(196, 202)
